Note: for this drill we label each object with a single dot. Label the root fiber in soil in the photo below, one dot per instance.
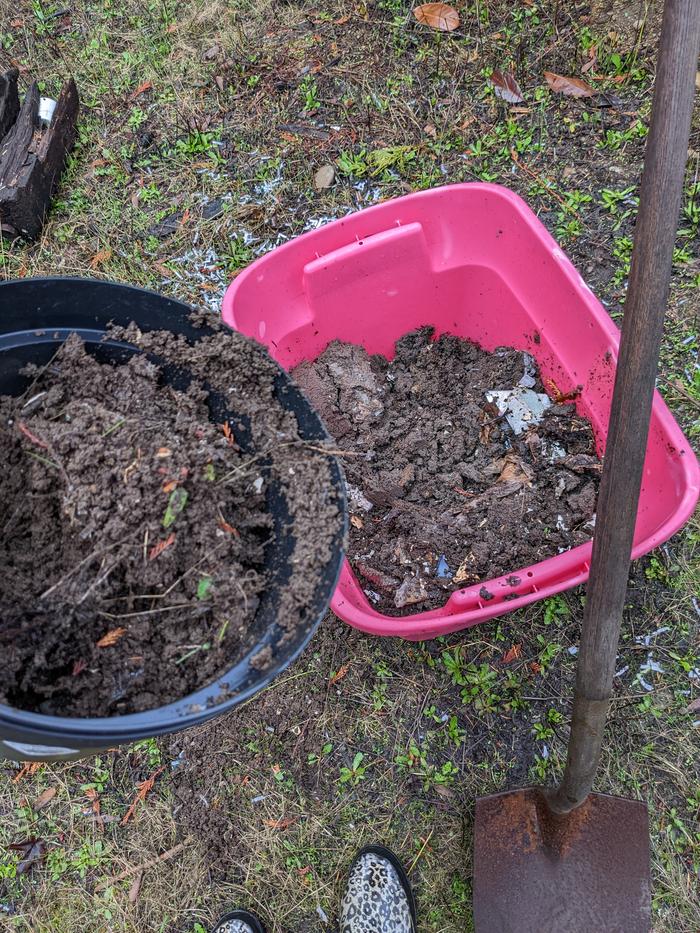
(132, 557)
(459, 467)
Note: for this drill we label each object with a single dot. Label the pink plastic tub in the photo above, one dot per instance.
(471, 260)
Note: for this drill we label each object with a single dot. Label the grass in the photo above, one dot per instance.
(210, 119)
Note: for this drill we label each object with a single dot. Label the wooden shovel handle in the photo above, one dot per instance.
(645, 307)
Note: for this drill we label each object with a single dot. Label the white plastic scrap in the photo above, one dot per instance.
(528, 379)
(358, 499)
(522, 407)
(649, 667)
(552, 451)
(646, 639)
(623, 670)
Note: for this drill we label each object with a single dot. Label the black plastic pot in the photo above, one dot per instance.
(36, 315)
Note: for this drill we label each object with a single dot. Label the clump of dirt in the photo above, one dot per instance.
(460, 468)
(135, 527)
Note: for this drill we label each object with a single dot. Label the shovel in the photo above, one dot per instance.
(567, 860)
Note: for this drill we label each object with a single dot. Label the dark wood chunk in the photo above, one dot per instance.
(32, 158)
(9, 101)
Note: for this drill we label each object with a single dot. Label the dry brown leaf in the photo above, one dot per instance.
(506, 87)
(439, 16)
(229, 529)
(100, 256)
(169, 486)
(31, 767)
(592, 59)
(44, 798)
(693, 706)
(161, 546)
(163, 452)
(135, 888)
(570, 87)
(339, 676)
(356, 521)
(94, 799)
(512, 654)
(144, 86)
(143, 788)
(514, 470)
(111, 638)
(281, 823)
(228, 434)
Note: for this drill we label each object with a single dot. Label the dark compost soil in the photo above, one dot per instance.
(443, 492)
(134, 528)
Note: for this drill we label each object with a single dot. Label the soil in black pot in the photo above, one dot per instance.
(460, 468)
(134, 528)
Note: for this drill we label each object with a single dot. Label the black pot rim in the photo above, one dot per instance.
(195, 708)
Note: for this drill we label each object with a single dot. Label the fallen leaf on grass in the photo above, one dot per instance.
(339, 675)
(33, 850)
(144, 86)
(324, 177)
(693, 706)
(535, 667)
(143, 789)
(111, 638)
(135, 888)
(439, 16)
(512, 654)
(592, 60)
(44, 798)
(161, 546)
(94, 799)
(506, 87)
(170, 485)
(100, 257)
(281, 823)
(570, 87)
(31, 767)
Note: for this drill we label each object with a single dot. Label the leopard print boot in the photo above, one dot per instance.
(238, 921)
(378, 897)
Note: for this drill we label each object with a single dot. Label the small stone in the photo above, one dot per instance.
(410, 592)
(324, 177)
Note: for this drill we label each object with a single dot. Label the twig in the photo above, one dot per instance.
(143, 867)
(146, 612)
(44, 460)
(85, 560)
(422, 850)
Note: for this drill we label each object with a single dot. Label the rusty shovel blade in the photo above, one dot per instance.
(536, 872)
